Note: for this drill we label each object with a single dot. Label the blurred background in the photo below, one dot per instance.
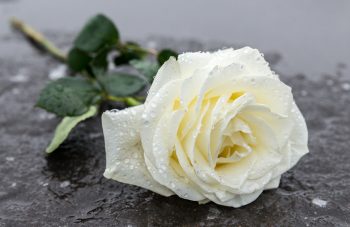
(312, 38)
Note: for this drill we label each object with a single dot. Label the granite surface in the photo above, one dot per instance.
(67, 188)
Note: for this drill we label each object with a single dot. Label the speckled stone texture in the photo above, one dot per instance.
(67, 188)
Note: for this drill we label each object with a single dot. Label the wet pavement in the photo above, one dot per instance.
(67, 188)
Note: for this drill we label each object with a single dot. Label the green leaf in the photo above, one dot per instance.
(99, 63)
(68, 96)
(135, 48)
(121, 84)
(129, 51)
(147, 68)
(165, 54)
(78, 60)
(98, 32)
(65, 127)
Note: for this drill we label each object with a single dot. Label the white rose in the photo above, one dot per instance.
(215, 127)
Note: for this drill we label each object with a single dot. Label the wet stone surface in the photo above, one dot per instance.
(67, 188)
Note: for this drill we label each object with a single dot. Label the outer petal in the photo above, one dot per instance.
(299, 136)
(237, 200)
(273, 183)
(190, 62)
(253, 62)
(169, 71)
(124, 154)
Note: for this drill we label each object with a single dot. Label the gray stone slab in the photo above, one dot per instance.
(67, 188)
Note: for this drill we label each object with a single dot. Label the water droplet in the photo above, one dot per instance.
(58, 72)
(114, 111)
(319, 202)
(345, 86)
(64, 184)
(10, 159)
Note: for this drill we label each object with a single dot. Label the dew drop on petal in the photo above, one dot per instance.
(114, 111)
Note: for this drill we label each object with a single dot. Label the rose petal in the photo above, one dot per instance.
(169, 71)
(159, 161)
(273, 183)
(253, 63)
(191, 61)
(124, 153)
(299, 136)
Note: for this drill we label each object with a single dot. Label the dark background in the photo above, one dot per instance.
(306, 42)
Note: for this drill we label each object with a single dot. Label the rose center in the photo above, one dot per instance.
(237, 143)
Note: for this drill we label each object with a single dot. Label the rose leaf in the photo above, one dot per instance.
(98, 32)
(68, 96)
(78, 60)
(121, 84)
(147, 68)
(165, 54)
(65, 127)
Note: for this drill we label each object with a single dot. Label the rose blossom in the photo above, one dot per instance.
(215, 127)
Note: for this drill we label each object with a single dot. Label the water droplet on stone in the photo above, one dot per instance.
(10, 159)
(64, 184)
(319, 202)
(345, 86)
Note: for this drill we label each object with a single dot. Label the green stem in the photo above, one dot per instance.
(121, 46)
(38, 39)
(49, 47)
(130, 101)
